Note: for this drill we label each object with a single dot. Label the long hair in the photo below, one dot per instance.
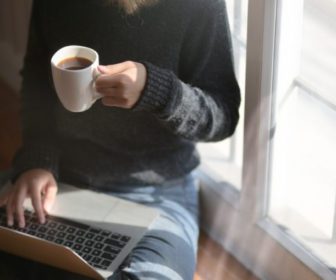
(132, 6)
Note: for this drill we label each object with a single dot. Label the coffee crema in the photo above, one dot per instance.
(74, 63)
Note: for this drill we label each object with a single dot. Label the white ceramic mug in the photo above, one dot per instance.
(75, 88)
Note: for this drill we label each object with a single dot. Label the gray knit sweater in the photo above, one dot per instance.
(191, 93)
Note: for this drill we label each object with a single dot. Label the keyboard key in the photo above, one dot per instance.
(40, 235)
(108, 256)
(77, 247)
(50, 238)
(105, 233)
(116, 235)
(80, 232)
(106, 263)
(99, 238)
(87, 250)
(70, 237)
(89, 243)
(96, 260)
(96, 252)
(43, 229)
(59, 240)
(99, 245)
(61, 234)
(34, 227)
(52, 225)
(88, 257)
(24, 230)
(61, 227)
(68, 244)
(125, 238)
(95, 230)
(71, 230)
(89, 235)
(52, 232)
(111, 249)
(80, 240)
(81, 254)
(116, 243)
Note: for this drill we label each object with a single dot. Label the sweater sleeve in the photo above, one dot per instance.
(201, 102)
(37, 106)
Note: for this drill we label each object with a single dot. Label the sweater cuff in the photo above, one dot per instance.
(157, 91)
(35, 157)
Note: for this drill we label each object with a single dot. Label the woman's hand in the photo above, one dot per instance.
(39, 185)
(121, 84)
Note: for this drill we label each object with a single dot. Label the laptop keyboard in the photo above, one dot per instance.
(99, 247)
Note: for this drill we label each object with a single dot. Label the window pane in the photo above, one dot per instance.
(223, 160)
(302, 173)
(318, 66)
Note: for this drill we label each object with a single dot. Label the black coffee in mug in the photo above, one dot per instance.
(74, 63)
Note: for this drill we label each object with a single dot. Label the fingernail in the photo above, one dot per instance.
(10, 223)
(21, 224)
(102, 68)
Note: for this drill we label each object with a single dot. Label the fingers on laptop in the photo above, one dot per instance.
(20, 196)
(49, 197)
(41, 201)
(36, 198)
(14, 204)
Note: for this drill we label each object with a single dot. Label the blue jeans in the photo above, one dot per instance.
(167, 251)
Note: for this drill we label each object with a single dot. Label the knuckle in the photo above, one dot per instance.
(129, 63)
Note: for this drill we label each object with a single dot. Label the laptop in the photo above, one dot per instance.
(86, 232)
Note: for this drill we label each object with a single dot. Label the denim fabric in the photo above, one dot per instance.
(166, 252)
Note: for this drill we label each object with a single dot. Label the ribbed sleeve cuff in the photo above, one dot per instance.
(157, 91)
(36, 157)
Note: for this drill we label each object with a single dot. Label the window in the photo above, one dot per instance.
(302, 161)
(282, 224)
(223, 160)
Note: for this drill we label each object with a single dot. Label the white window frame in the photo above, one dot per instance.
(236, 219)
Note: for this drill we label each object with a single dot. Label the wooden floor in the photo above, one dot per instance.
(214, 263)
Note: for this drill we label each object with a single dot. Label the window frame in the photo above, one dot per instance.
(238, 220)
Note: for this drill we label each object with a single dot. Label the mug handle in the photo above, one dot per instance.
(96, 95)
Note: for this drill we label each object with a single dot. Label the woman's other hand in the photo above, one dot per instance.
(37, 184)
(121, 84)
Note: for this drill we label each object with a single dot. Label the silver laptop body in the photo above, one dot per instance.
(97, 210)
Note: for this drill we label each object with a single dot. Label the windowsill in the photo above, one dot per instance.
(210, 184)
(298, 249)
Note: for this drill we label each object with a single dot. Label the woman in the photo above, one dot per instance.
(167, 83)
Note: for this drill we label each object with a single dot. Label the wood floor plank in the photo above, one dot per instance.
(214, 263)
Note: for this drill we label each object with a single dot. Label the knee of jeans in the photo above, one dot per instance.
(160, 255)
